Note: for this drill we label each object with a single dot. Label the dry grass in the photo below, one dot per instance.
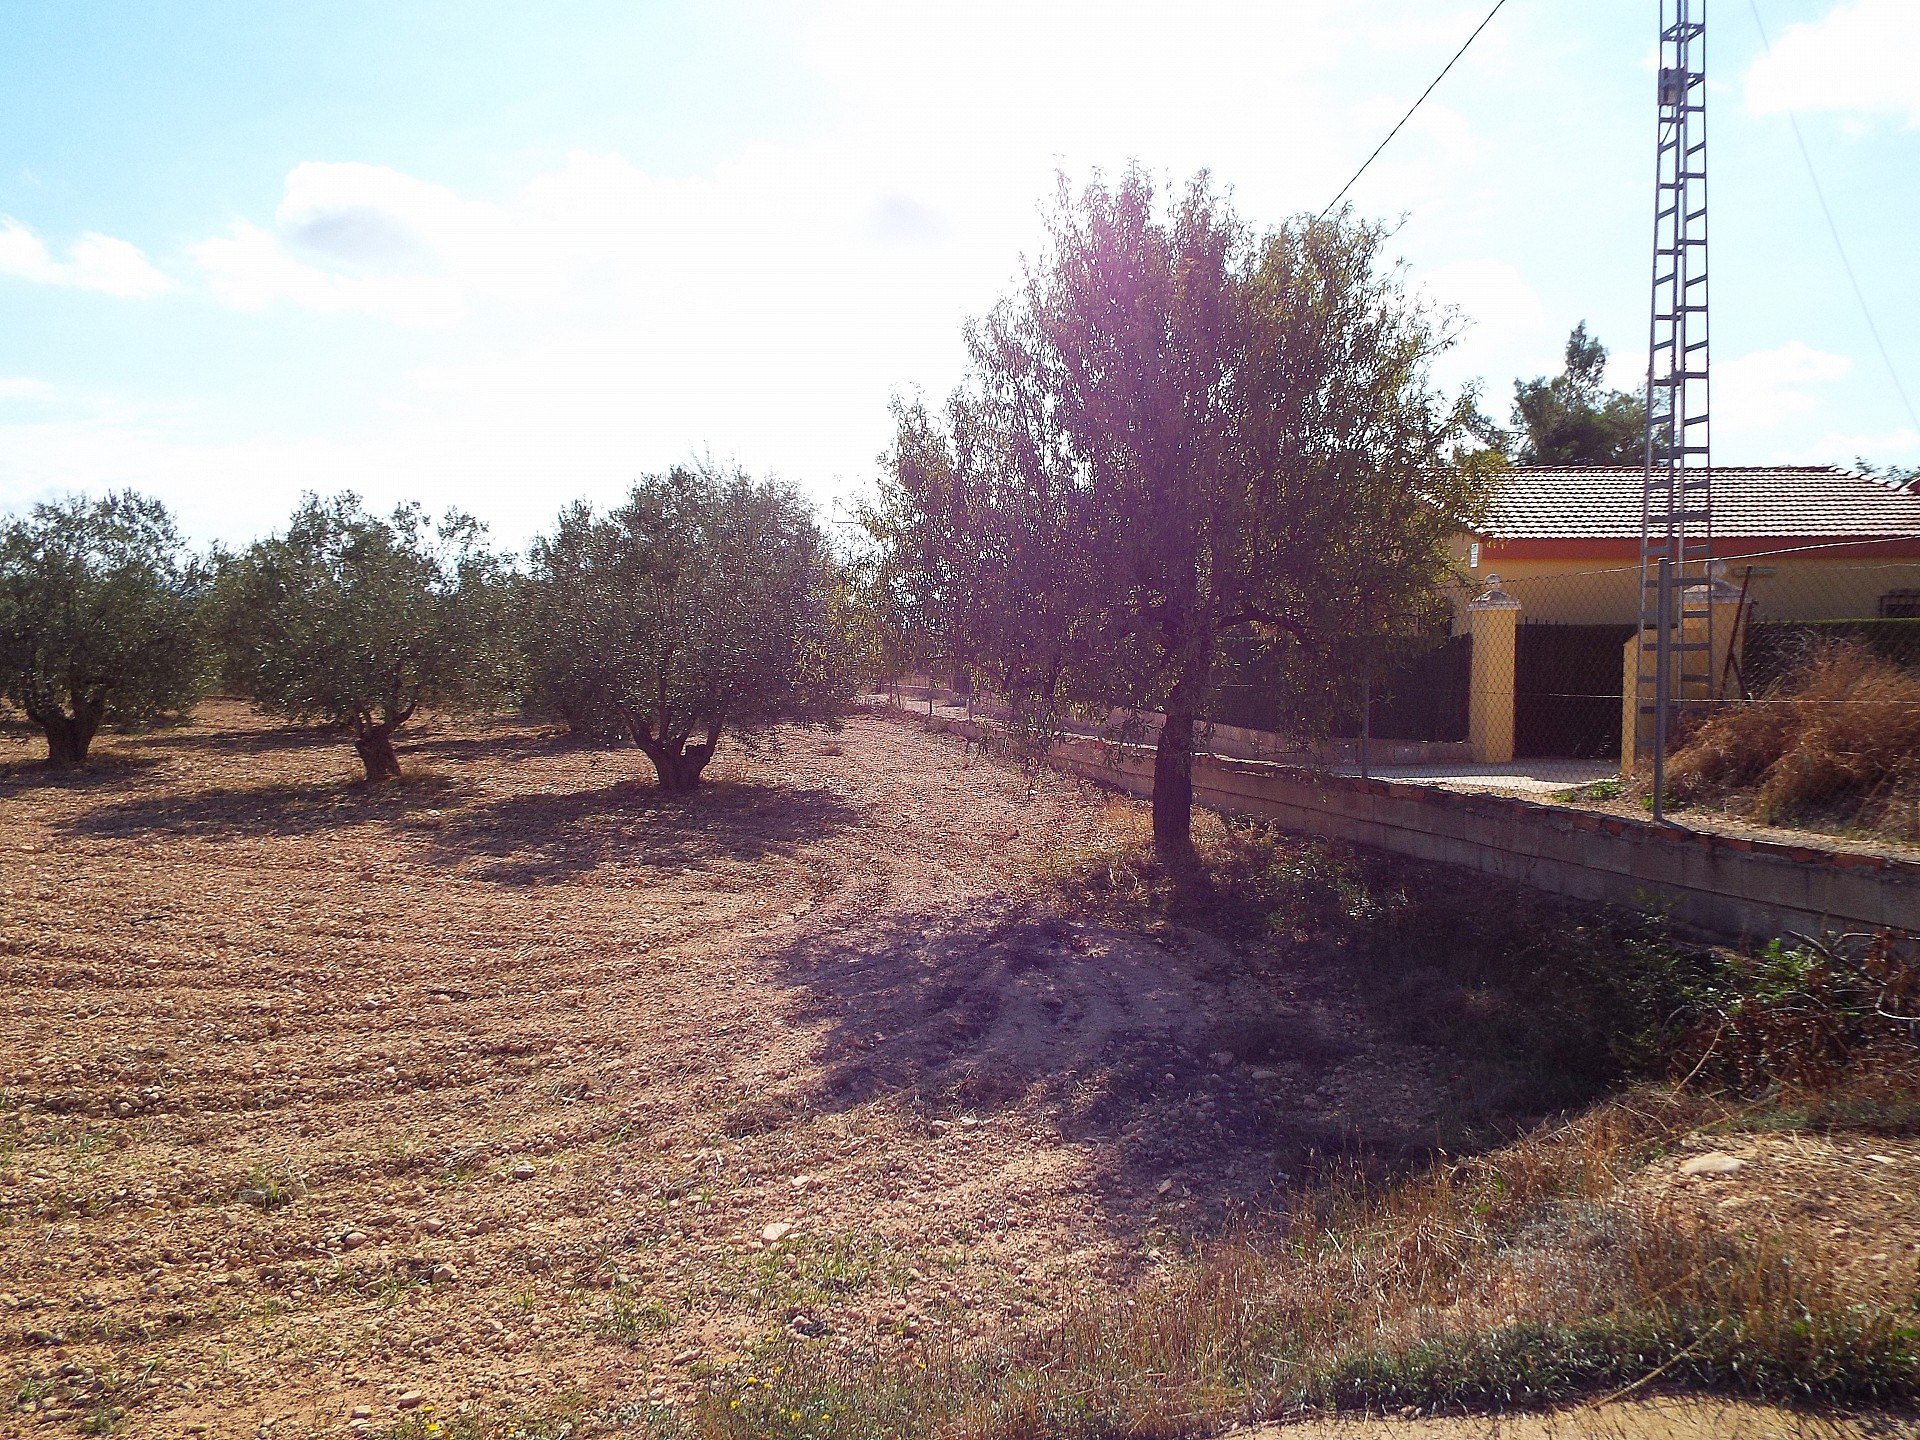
(1835, 743)
(1539, 1271)
(1518, 1278)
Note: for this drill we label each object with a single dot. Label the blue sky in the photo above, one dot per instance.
(501, 255)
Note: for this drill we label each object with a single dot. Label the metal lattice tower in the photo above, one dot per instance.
(1676, 520)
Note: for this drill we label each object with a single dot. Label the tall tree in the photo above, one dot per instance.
(1174, 432)
(1572, 418)
(707, 603)
(358, 620)
(97, 618)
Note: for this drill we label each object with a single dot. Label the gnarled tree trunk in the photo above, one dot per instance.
(678, 769)
(69, 737)
(677, 761)
(374, 745)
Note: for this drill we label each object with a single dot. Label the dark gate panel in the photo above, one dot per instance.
(1422, 695)
(1567, 690)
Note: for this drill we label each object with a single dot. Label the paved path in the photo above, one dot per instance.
(1534, 777)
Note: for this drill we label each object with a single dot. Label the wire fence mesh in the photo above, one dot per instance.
(1533, 666)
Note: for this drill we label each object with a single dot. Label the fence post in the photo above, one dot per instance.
(1493, 618)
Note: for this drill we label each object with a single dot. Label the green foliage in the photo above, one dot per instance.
(353, 620)
(707, 602)
(98, 605)
(1572, 418)
(1905, 477)
(1175, 432)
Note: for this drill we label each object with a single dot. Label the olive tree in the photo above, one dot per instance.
(357, 620)
(1174, 432)
(708, 602)
(97, 618)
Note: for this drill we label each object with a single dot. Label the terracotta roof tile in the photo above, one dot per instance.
(1749, 501)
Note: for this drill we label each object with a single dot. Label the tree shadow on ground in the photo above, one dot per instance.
(1173, 1062)
(256, 741)
(518, 839)
(239, 812)
(27, 768)
(526, 839)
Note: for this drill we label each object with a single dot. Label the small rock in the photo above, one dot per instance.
(686, 1357)
(361, 1412)
(803, 1182)
(412, 1400)
(353, 1239)
(1883, 1159)
(1163, 1187)
(444, 1274)
(522, 1171)
(1261, 1072)
(1714, 1162)
(778, 1230)
(432, 1225)
(967, 1122)
(1223, 1058)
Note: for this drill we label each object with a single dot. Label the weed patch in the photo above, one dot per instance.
(1834, 743)
(1516, 1278)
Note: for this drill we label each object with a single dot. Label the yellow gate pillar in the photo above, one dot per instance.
(1493, 619)
(1630, 706)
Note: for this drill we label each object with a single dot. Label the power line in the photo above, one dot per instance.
(1834, 230)
(1415, 106)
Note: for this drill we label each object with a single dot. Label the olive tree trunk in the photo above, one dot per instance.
(69, 737)
(1173, 760)
(678, 766)
(374, 745)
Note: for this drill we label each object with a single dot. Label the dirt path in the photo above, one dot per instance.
(486, 1091)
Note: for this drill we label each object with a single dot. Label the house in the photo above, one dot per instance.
(1798, 548)
(1800, 542)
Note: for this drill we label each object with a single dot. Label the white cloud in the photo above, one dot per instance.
(1862, 57)
(94, 262)
(24, 387)
(1760, 390)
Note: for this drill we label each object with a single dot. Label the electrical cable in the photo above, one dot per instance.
(1415, 106)
(1834, 230)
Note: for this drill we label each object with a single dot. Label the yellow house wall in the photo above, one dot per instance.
(1606, 592)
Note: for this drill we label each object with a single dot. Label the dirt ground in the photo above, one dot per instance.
(520, 1087)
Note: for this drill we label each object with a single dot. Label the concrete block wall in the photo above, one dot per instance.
(1723, 886)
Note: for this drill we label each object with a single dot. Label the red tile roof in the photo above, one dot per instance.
(1749, 501)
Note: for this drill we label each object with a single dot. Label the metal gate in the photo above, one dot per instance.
(1567, 690)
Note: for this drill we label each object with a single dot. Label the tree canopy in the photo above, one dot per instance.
(97, 618)
(1176, 430)
(356, 620)
(1572, 418)
(707, 602)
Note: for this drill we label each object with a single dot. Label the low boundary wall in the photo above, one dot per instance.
(1724, 886)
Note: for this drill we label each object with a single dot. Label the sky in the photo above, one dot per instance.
(502, 256)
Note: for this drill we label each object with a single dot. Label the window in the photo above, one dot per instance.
(1900, 605)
